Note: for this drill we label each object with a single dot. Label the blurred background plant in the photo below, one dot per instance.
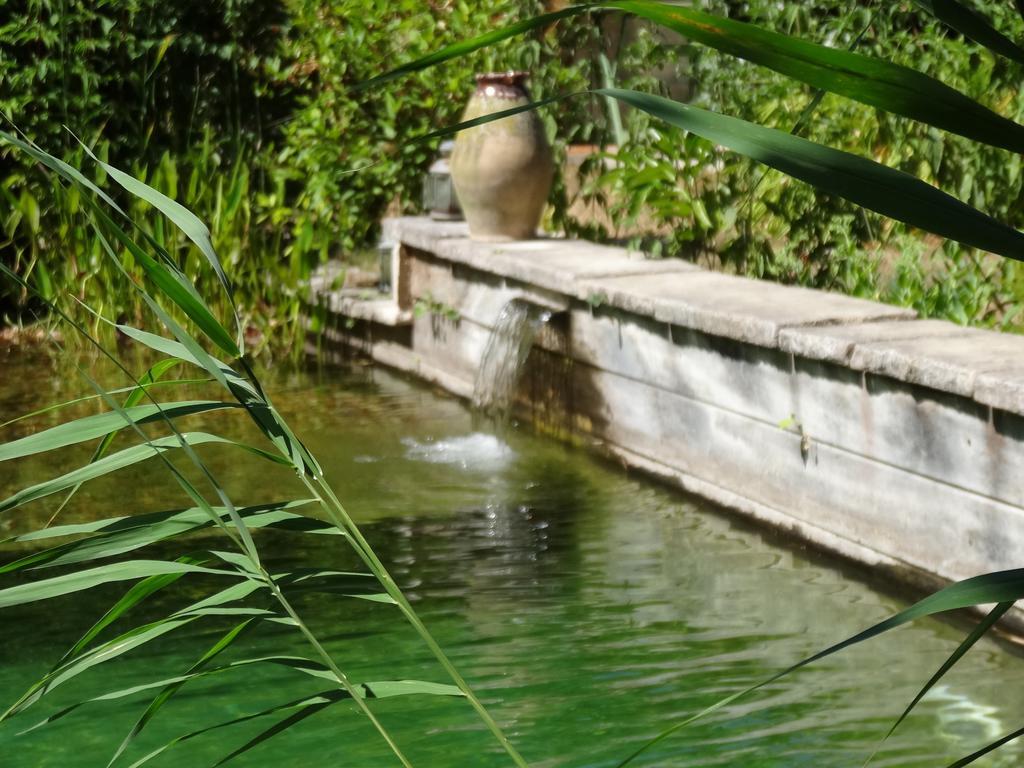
(732, 214)
(244, 111)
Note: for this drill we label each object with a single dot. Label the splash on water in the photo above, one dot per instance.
(478, 451)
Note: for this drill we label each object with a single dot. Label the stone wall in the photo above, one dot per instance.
(893, 441)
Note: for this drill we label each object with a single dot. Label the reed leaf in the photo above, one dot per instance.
(62, 169)
(78, 581)
(91, 398)
(864, 182)
(91, 427)
(973, 26)
(979, 631)
(877, 83)
(293, 662)
(138, 593)
(136, 396)
(169, 690)
(76, 663)
(125, 458)
(385, 689)
(170, 281)
(186, 221)
(381, 689)
(974, 756)
(118, 536)
(247, 391)
(999, 587)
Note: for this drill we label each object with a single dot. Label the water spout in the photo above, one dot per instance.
(505, 355)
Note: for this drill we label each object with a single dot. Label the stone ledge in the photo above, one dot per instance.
(739, 308)
(555, 264)
(986, 366)
(836, 344)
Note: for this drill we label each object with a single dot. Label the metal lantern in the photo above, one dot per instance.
(438, 193)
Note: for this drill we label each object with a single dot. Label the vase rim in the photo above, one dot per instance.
(509, 77)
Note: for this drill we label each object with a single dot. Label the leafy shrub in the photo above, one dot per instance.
(275, 101)
(740, 217)
(257, 95)
(135, 79)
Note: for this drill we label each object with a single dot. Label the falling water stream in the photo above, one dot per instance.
(504, 358)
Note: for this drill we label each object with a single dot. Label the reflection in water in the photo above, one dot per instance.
(590, 609)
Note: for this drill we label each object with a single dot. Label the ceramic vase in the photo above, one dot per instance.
(502, 170)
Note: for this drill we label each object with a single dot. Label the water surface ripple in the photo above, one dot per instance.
(589, 607)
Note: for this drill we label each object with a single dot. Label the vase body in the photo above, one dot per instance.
(502, 170)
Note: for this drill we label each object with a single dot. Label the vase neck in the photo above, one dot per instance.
(502, 85)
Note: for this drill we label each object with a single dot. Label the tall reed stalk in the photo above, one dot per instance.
(173, 301)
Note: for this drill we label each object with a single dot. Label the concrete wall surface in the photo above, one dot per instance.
(893, 441)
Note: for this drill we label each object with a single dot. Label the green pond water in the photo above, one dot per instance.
(589, 607)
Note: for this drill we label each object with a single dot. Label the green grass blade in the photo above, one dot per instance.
(999, 587)
(872, 81)
(136, 396)
(362, 586)
(138, 593)
(125, 458)
(875, 82)
(186, 221)
(296, 663)
(489, 118)
(275, 514)
(310, 706)
(171, 284)
(862, 181)
(168, 692)
(188, 300)
(329, 696)
(68, 172)
(78, 581)
(973, 637)
(75, 664)
(244, 391)
(465, 47)
(121, 645)
(118, 536)
(985, 750)
(100, 425)
(240, 535)
(385, 689)
(91, 398)
(277, 728)
(973, 26)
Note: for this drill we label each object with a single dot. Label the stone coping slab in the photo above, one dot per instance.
(752, 311)
(555, 264)
(986, 366)
(835, 344)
